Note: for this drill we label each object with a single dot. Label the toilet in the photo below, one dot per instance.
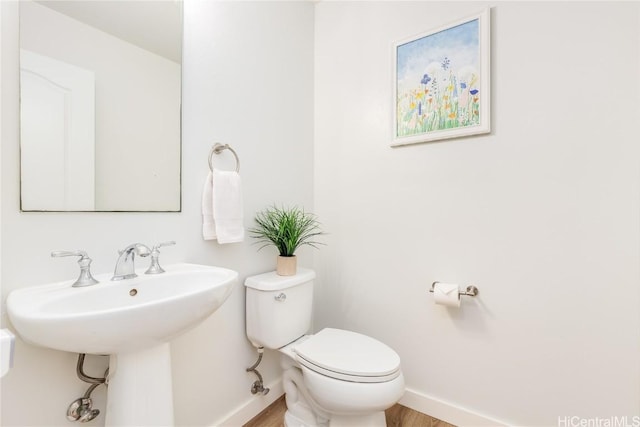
(333, 378)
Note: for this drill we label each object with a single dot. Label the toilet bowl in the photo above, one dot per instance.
(332, 378)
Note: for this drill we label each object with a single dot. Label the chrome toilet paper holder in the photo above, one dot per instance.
(471, 290)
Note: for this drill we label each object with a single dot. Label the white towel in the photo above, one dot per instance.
(208, 224)
(224, 221)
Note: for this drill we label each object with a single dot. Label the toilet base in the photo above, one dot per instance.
(291, 420)
(376, 419)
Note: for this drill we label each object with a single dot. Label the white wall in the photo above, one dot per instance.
(1, 137)
(247, 73)
(137, 108)
(542, 214)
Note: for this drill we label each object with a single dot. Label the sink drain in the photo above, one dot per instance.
(133, 292)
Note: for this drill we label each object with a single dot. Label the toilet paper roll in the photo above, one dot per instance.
(446, 294)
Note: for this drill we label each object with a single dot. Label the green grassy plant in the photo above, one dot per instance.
(286, 228)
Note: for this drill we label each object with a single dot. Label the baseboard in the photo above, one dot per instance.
(252, 407)
(446, 411)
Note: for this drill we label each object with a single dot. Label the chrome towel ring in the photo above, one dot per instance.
(219, 148)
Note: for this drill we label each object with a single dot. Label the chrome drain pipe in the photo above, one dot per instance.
(86, 378)
(258, 385)
(81, 409)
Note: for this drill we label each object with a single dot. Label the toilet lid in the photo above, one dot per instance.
(348, 356)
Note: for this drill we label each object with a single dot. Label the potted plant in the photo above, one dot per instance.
(287, 229)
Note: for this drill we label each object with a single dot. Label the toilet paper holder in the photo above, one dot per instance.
(471, 290)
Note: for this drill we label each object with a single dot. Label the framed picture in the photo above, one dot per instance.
(441, 83)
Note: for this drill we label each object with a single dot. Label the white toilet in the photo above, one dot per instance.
(333, 378)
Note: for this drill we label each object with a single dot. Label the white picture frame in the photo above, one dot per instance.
(441, 82)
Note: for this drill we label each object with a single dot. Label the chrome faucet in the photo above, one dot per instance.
(125, 268)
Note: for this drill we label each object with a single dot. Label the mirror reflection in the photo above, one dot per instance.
(100, 93)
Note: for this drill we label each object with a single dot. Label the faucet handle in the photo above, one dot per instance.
(159, 245)
(85, 278)
(82, 254)
(155, 268)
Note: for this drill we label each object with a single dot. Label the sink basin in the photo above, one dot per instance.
(119, 316)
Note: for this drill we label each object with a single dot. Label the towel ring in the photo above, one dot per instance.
(219, 148)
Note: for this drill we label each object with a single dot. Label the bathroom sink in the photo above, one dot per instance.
(130, 320)
(123, 316)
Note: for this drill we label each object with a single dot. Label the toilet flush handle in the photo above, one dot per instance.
(281, 297)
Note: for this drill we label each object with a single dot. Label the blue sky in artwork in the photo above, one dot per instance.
(460, 44)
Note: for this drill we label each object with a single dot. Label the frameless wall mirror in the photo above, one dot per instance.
(100, 105)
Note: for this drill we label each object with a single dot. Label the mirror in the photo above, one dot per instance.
(100, 105)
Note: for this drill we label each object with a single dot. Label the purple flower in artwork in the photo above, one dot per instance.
(419, 108)
(425, 79)
(445, 63)
(473, 91)
(463, 85)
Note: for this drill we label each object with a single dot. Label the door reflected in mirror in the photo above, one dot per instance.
(100, 105)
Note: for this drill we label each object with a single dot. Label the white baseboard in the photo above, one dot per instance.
(252, 407)
(446, 411)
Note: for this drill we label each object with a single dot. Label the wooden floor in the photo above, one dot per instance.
(397, 416)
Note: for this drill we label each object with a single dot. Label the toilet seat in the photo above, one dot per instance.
(348, 356)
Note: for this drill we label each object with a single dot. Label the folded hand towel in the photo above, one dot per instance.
(208, 224)
(227, 206)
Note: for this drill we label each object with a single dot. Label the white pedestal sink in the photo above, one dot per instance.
(132, 321)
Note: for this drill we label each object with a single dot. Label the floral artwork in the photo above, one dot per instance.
(440, 87)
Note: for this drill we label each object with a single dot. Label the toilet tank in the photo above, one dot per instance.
(278, 308)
